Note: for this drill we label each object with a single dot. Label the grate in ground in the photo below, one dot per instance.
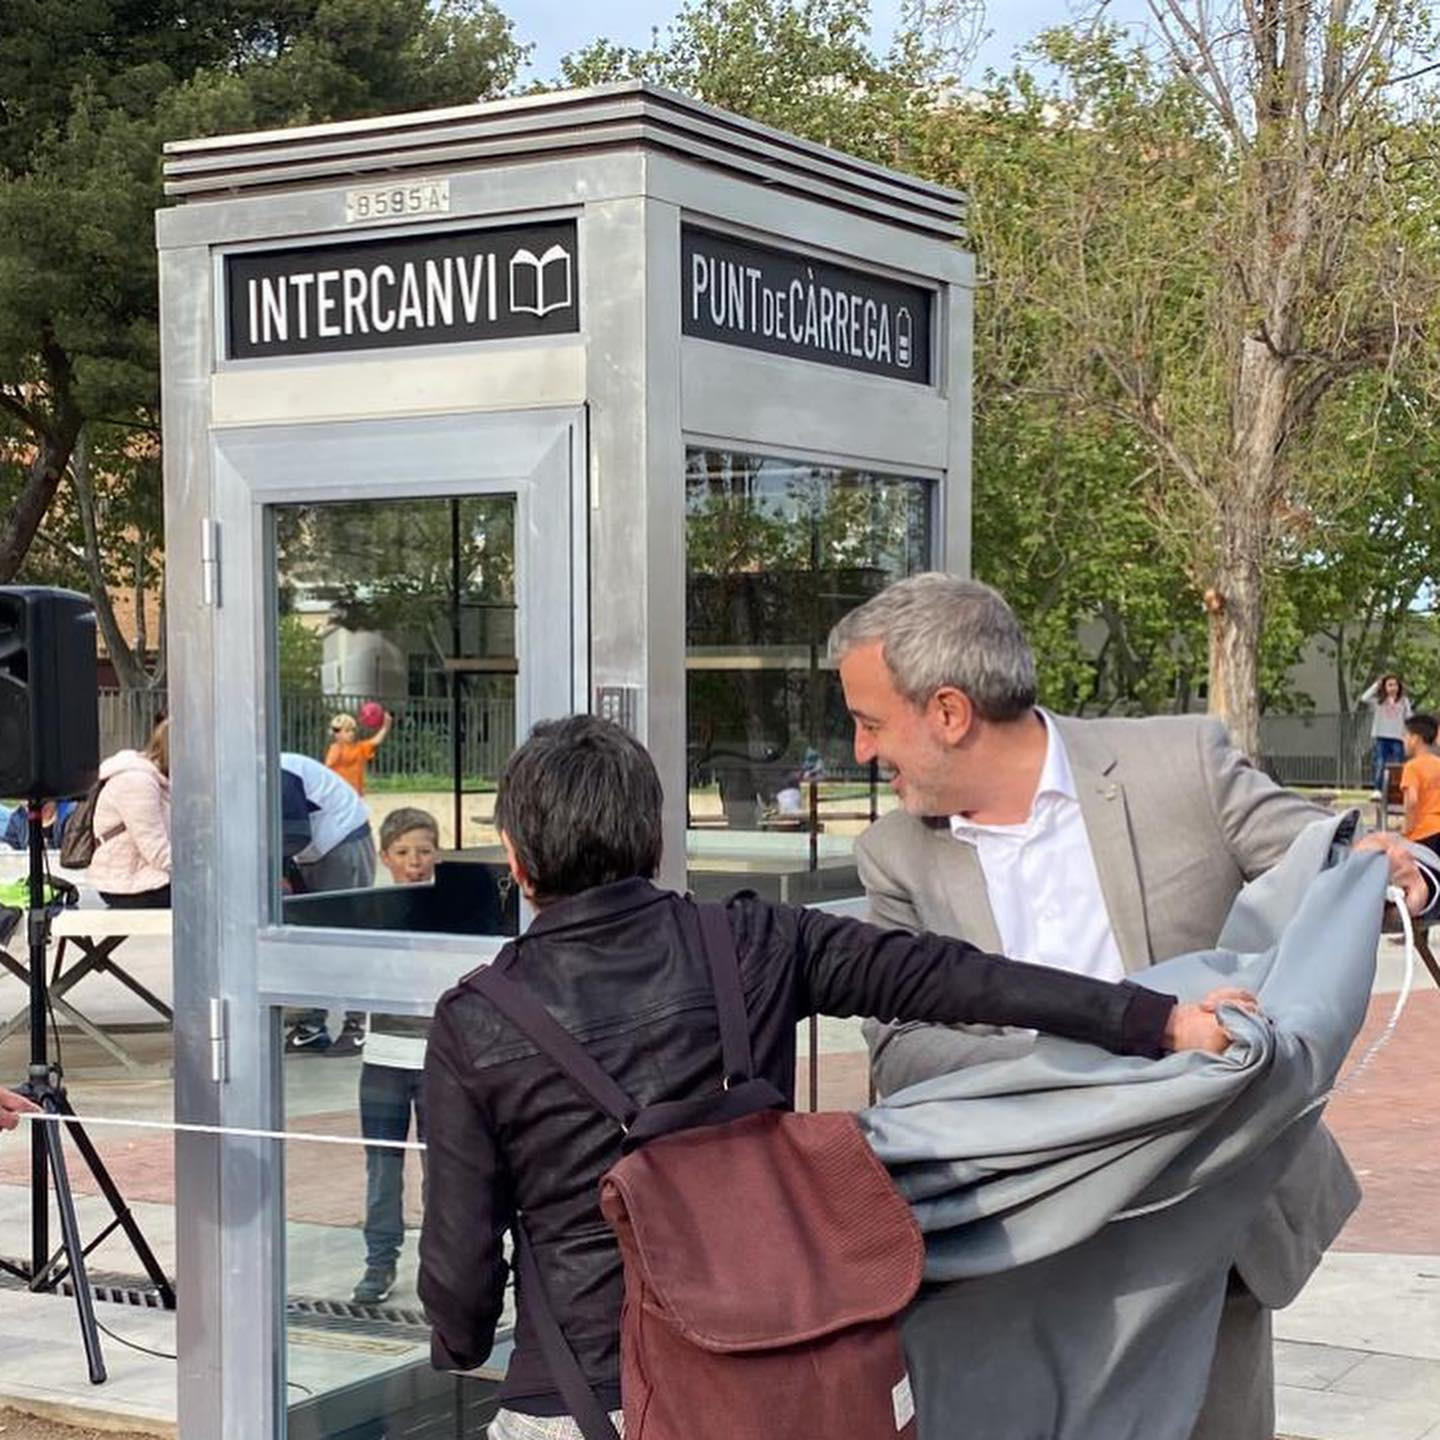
(314, 1312)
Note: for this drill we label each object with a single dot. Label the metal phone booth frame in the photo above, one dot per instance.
(644, 273)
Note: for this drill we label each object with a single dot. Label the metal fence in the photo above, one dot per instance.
(1317, 749)
(1326, 749)
(420, 743)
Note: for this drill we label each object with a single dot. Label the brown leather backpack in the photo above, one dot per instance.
(767, 1254)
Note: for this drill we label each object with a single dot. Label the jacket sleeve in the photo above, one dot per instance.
(136, 797)
(890, 902)
(468, 1208)
(1257, 818)
(851, 968)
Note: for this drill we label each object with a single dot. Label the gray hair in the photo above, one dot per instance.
(937, 630)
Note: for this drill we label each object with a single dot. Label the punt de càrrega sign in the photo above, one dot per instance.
(427, 289)
(744, 294)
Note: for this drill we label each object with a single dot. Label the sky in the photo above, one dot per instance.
(555, 27)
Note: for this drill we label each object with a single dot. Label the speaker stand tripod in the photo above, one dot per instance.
(44, 1085)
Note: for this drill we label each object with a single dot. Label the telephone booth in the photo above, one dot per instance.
(598, 400)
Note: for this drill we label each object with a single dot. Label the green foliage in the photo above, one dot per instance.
(802, 65)
(1363, 578)
(301, 651)
(91, 91)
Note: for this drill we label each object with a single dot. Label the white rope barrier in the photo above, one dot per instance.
(1396, 897)
(233, 1131)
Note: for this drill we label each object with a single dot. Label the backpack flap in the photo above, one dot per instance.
(797, 1202)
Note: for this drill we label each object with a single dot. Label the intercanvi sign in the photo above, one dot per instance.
(744, 294)
(427, 289)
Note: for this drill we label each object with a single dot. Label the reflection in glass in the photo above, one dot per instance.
(395, 652)
(777, 551)
(358, 1359)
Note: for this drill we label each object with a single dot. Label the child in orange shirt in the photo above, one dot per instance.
(1420, 782)
(347, 756)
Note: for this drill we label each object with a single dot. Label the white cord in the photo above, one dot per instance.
(1396, 897)
(44, 1117)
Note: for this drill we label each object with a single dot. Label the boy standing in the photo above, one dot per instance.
(390, 1075)
(348, 756)
(618, 962)
(1420, 782)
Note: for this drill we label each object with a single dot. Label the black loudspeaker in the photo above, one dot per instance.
(49, 702)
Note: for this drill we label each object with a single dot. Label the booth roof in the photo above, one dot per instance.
(627, 115)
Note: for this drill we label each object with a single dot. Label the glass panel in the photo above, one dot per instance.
(358, 1351)
(777, 551)
(395, 640)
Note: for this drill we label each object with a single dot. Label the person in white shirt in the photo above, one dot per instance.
(327, 844)
(1390, 708)
(1099, 846)
(340, 852)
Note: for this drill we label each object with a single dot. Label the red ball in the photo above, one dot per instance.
(372, 715)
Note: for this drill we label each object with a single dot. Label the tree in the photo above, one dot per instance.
(1364, 579)
(801, 65)
(1216, 244)
(88, 95)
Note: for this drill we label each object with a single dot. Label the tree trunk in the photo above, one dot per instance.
(19, 527)
(54, 439)
(129, 669)
(1236, 608)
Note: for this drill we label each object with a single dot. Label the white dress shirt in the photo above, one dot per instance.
(1041, 877)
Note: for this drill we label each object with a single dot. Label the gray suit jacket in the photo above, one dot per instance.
(1178, 821)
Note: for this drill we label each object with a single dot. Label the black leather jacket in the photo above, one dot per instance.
(622, 968)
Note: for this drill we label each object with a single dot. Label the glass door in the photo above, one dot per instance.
(402, 600)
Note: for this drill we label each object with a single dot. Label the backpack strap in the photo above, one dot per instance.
(719, 943)
(582, 1402)
(554, 1041)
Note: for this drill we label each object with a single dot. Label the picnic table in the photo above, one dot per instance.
(95, 936)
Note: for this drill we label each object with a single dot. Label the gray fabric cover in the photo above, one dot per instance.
(1078, 1317)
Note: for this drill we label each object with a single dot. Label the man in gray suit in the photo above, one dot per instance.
(1101, 846)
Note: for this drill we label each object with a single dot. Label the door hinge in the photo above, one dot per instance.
(210, 562)
(219, 1040)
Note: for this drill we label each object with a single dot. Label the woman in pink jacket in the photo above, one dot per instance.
(131, 866)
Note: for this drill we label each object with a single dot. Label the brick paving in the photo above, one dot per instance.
(1388, 1126)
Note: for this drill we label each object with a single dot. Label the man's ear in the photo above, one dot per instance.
(953, 712)
(517, 868)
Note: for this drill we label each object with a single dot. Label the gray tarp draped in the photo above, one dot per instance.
(1069, 1315)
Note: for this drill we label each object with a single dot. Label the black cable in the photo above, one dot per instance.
(134, 1344)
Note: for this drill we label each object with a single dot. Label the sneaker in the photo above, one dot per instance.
(375, 1285)
(308, 1039)
(350, 1040)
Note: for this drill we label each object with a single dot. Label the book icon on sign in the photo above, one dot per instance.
(540, 283)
